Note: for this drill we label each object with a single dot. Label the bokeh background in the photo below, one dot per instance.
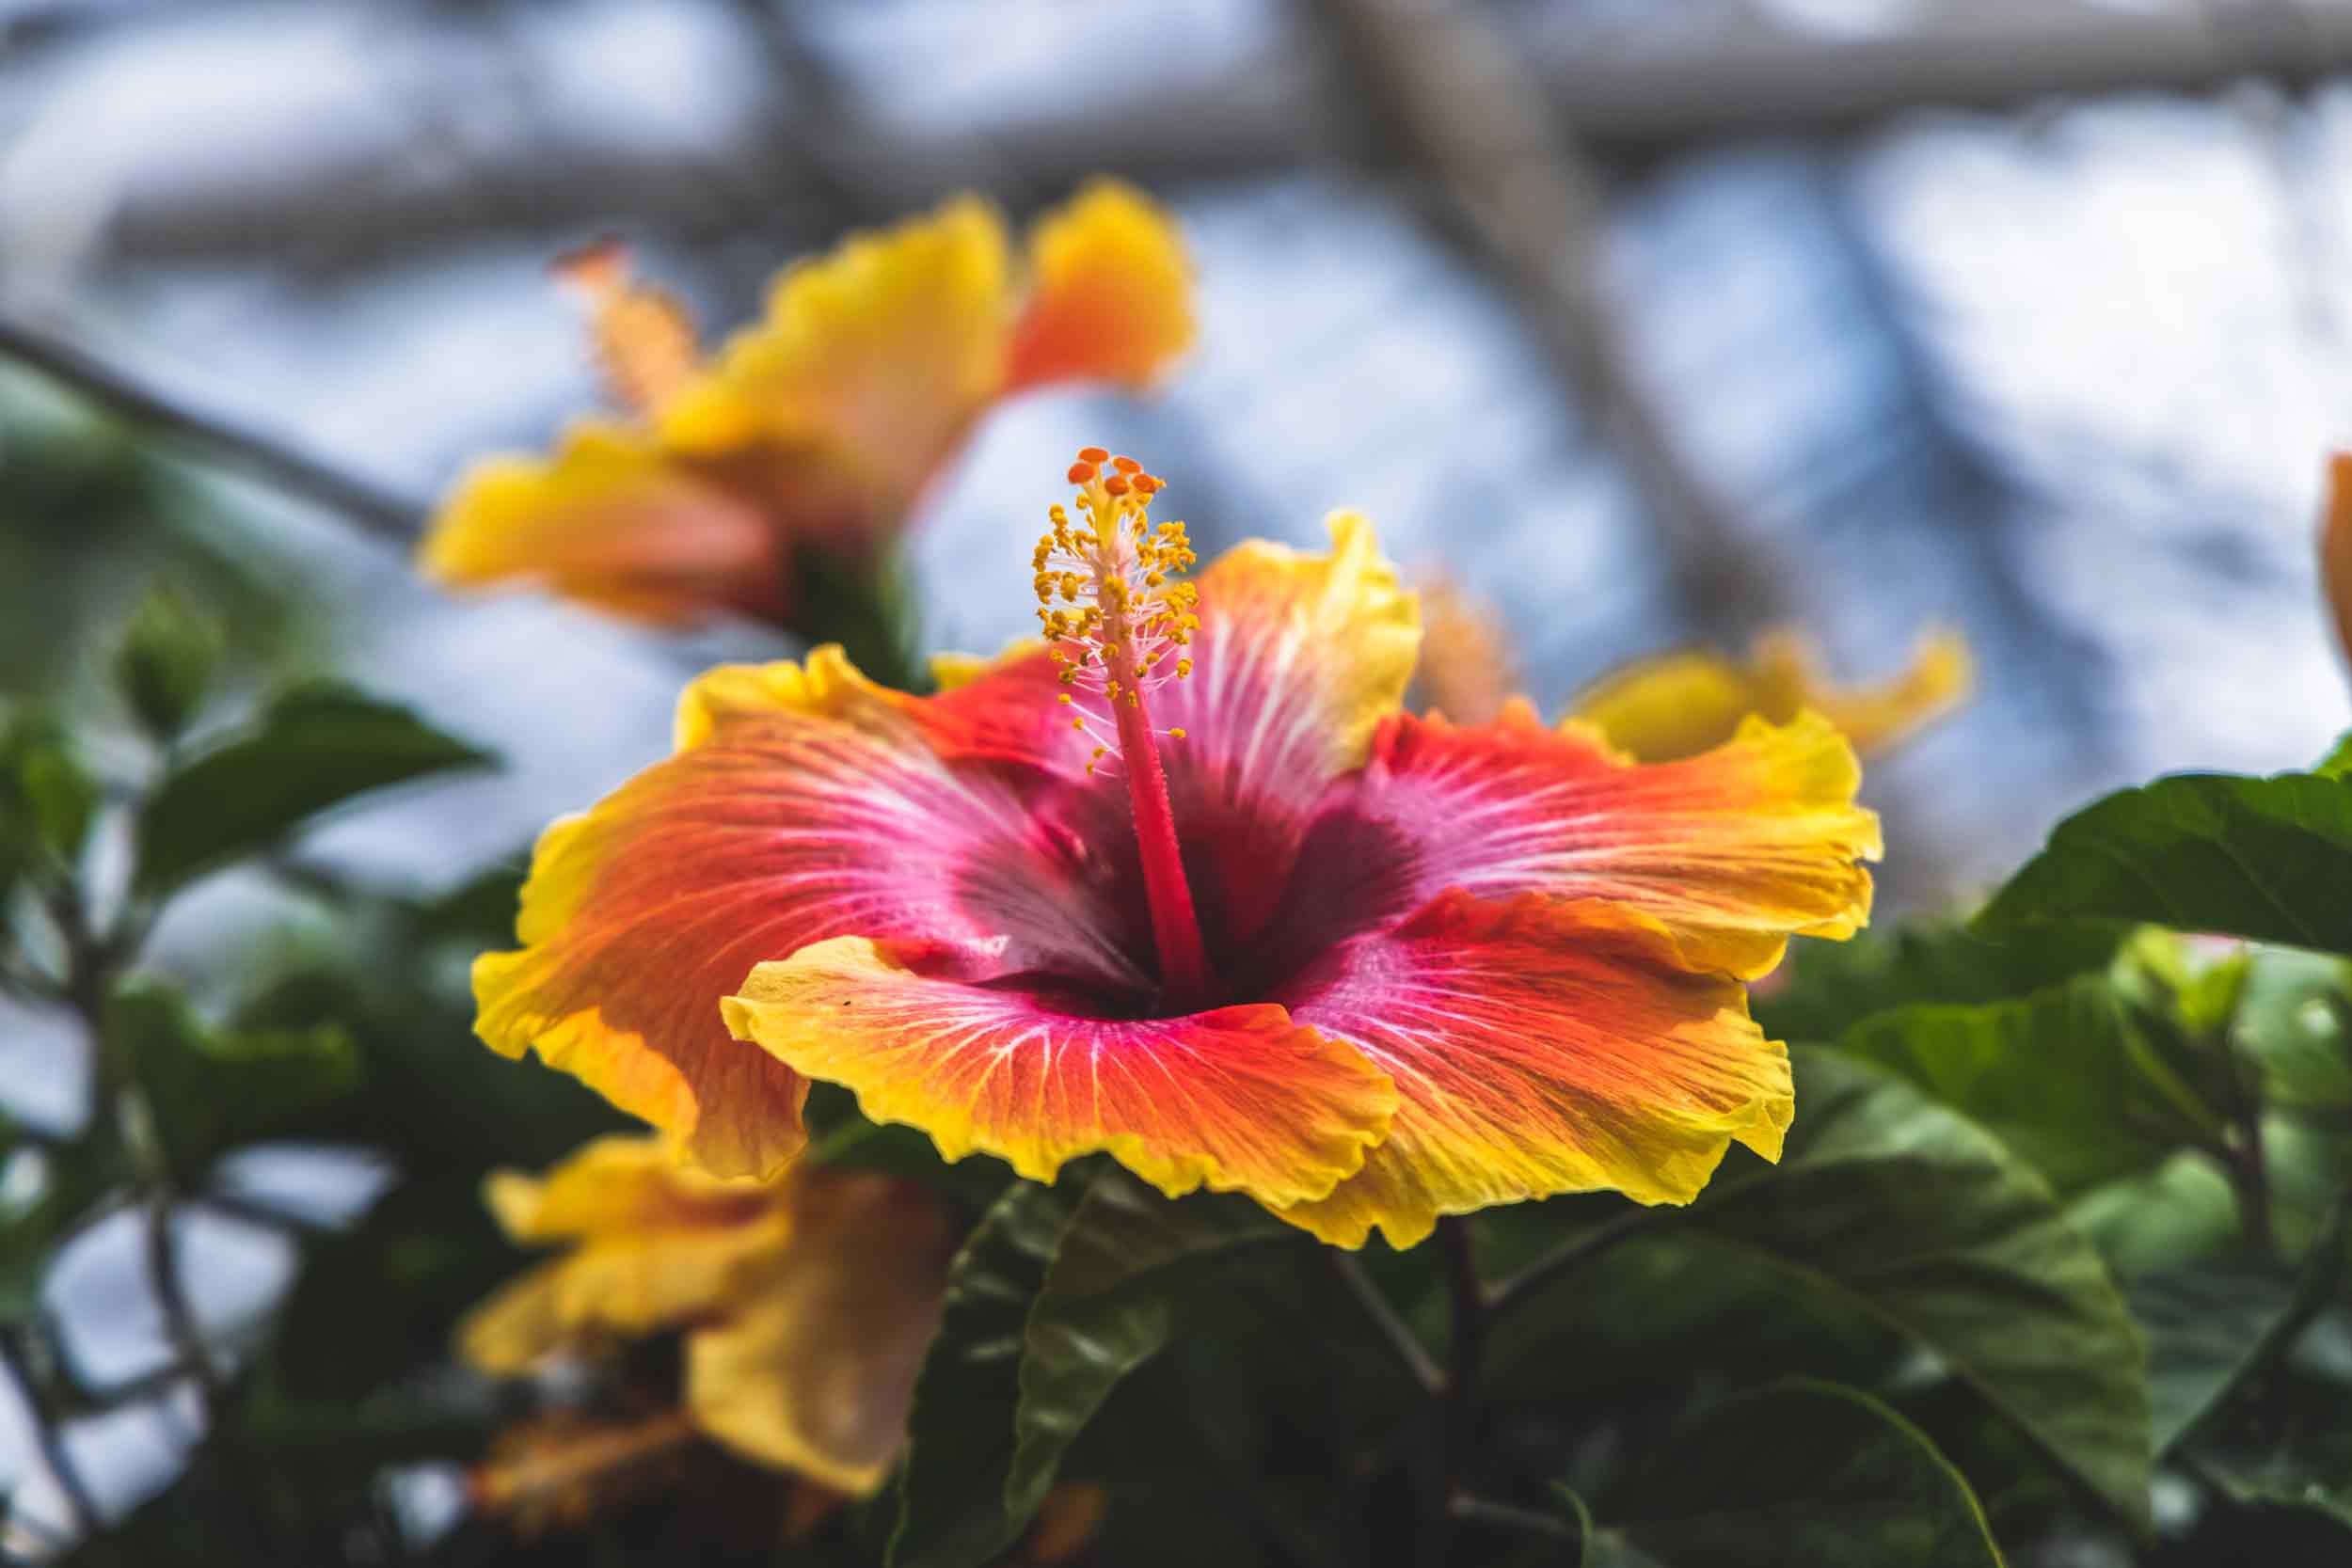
(1651, 325)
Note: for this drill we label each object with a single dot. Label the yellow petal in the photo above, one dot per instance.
(622, 1184)
(611, 521)
(660, 1242)
(1682, 703)
(882, 350)
(815, 1372)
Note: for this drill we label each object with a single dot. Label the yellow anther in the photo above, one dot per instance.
(1178, 733)
(1104, 575)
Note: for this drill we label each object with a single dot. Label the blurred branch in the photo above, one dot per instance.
(34, 1369)
(1767, 79)
(219, 440)
(1471, 118)
(95, 962)
(1265, 106)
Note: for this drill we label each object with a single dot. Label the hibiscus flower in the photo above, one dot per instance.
(1185, 884)
(801, 447)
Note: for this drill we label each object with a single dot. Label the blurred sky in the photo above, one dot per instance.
(2061, 374)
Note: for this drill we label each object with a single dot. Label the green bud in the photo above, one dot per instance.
(169, 653)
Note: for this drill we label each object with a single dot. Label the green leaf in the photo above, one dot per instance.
(166, 663)
(1898, 1206)
(313, 749)
(2214, 1328)
(2061, 1076)
(2291, 1020)
(2337, 764)
(48, 798)
(2277, 1531)
(1799, 1472)
(1582, 1546)
(2204, 1325)
(1832, 986)
(959, 1428)
(1114, 1297)
(212, 1089)
(2179, 1213)
(2266, 859)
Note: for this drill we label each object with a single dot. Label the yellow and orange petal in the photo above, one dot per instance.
(1732, 852)
(1239, 1098)
(799, 810)
(814, 1373)
(1680, 705)
(1540, 1046)
(611, 521)
(1110, 292)
(882, 350)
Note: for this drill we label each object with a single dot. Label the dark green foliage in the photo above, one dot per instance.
(1925, 1221)
(2266, 859)
(954, 1495)
(314, 748)
(2063, 1076)
(1827, 988)
(1797, 1475)
(213, 1089)
(1129, 1266)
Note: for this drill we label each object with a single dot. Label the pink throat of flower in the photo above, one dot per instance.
(1119, 624)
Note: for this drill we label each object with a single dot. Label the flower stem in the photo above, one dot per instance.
(1186, 982)
(1457, 1407)
(1399, 1334)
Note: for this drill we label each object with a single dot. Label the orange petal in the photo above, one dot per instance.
(802, 808)
(1540, 1047)
(1110, 292)
(1732, 852)
(2335, 548)
(1240, 1099)
(815, 1372)
(610, 521)
(1683, 703)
